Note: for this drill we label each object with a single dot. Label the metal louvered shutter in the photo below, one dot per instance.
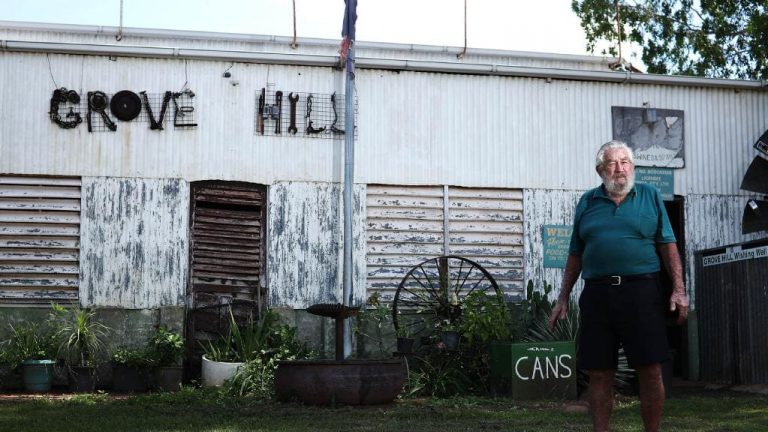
(226, 241)
(406, 225)
(39, 239)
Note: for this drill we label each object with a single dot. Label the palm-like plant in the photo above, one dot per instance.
(568, 330)
(80, 337)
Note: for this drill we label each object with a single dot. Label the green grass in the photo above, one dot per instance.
(199, 410)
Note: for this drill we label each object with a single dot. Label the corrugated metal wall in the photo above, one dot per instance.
(409, 224)
(711, 221)
(546, 207)
(39, 239)
(733, 316)
(305, 258)
(413, 127)
(135, 242)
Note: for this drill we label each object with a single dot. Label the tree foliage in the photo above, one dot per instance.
(713, 38)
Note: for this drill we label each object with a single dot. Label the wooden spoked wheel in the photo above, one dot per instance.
(432, 292)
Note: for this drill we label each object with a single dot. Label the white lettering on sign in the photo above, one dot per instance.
(761, 252)
(553, 367)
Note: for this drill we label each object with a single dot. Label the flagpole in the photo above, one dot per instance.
(349, 161)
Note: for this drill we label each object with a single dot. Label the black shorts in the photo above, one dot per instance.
(630, 315)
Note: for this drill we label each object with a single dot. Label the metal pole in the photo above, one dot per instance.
(349, 174)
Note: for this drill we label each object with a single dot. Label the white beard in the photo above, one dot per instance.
(613, 188)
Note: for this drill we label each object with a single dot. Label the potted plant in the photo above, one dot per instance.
(450, 335)
(167, 347)
(130, 368)
(32, 345)
(405, 340)
(80, 341)
(240, 344)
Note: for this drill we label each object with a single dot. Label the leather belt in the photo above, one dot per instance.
(620, 280)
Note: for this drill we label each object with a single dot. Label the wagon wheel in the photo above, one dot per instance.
(433, 291)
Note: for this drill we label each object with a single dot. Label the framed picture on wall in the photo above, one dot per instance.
(656, 135)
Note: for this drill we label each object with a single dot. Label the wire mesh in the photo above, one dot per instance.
(299, 114)
(158, 110)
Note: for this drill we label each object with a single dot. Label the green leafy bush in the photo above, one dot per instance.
(485, 319)
(136, 357)
(166, 347)
(275, 342)
(31, 341)
(374, 323)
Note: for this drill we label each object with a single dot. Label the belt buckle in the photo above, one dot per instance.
(615, 280)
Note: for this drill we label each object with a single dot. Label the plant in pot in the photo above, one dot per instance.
(80, 340)
(240, 344)
(405, 339)
(450, 334)
(32, 345)
(167, 348)
(130, 369)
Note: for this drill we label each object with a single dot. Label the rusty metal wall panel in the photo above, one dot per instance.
(546, 207)
(733, 314)
(408, 224)
(404, 226)
(711, 221)
(305, 239)
(39, 239)
(486, 226)
(134, 242)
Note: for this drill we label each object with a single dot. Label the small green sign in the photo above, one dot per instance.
(531, 371)
(662, 178)
(556, 239)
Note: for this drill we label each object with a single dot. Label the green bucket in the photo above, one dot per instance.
(37, 375)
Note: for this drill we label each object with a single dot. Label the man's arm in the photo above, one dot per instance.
(678, 301)
(570, 275)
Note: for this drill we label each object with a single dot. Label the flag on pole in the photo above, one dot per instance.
(348, 32)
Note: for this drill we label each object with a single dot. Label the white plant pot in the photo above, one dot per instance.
(215, 373)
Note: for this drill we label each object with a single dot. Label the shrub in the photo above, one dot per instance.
(276, 342)
(166, 347)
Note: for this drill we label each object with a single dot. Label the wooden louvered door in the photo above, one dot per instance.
(227, 256)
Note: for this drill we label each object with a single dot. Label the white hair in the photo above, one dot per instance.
(600, 159)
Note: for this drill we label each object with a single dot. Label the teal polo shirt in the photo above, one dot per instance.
(620, 240)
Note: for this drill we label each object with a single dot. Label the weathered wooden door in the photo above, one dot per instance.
(227, 227)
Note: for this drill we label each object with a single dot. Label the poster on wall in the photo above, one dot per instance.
(656, 135)
(662, 178)
(556, 239)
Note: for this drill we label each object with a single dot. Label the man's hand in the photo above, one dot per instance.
(678, 301)
(559, 312)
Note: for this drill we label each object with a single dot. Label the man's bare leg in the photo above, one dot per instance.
(601, 398)
(651, 395)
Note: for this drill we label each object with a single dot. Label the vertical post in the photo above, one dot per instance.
(349, 173)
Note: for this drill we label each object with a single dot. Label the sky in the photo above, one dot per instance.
(520, 25)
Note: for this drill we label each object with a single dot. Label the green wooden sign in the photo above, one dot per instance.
(533, 371)
(556, 239)
(662, 178)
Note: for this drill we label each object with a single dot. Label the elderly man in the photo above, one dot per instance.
(619, 232)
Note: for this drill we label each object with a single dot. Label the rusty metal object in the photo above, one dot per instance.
(339, 313)
(349, 382)
(293, 99)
